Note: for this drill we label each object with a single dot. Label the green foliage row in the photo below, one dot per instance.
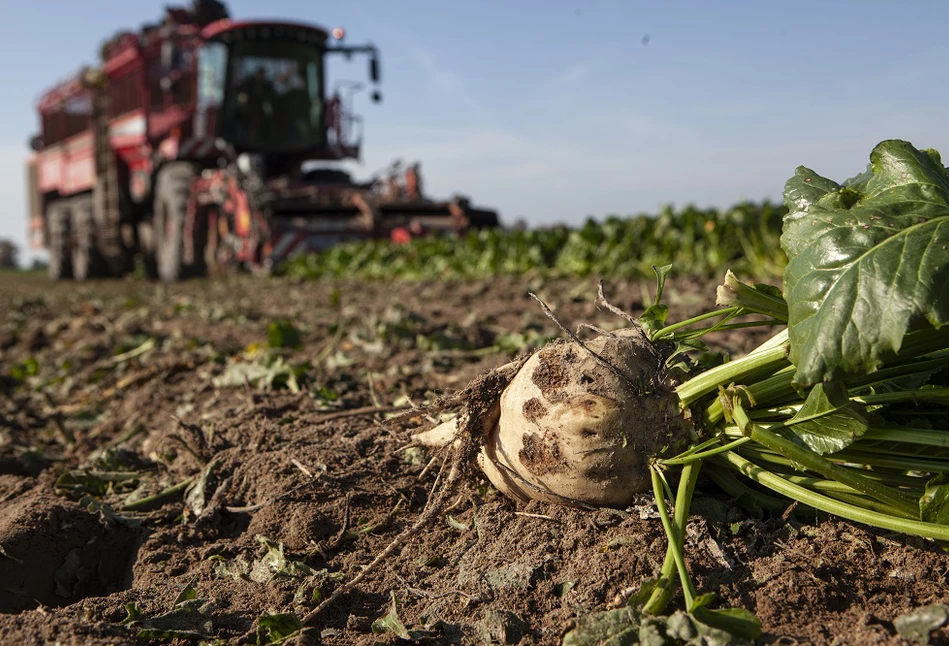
(701, 242)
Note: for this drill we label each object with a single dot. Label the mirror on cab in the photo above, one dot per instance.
(374, 69)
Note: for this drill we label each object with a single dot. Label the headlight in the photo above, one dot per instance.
(249, 164)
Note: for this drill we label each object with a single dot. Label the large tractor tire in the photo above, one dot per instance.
(87, 261)
(59, 246)
(145, 232)
(172, 189)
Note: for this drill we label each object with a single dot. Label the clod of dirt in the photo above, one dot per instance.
(502, 627)
(54, 552)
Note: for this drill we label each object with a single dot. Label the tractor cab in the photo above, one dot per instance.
(261, 87)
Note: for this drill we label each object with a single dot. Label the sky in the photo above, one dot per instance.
(553, 111)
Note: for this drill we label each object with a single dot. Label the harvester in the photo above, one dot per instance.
(202, 143)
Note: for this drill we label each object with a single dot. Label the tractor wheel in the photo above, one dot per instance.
(87, 262)
(171, 209)
(60, 258)
(145, 235)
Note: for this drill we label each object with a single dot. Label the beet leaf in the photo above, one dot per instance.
(868, 261)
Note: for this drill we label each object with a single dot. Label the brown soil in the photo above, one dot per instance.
(93, 527)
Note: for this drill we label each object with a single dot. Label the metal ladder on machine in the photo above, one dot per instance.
(106, 193)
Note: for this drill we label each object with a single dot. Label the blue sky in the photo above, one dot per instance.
(556, 110)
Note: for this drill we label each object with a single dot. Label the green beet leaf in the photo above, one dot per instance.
(867, 261)
(393, 624)
(828, 421)
(278, 628)
(934, 504)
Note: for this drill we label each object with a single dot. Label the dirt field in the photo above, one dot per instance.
(158, 462)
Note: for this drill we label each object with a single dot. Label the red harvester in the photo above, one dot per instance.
(204, 142)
